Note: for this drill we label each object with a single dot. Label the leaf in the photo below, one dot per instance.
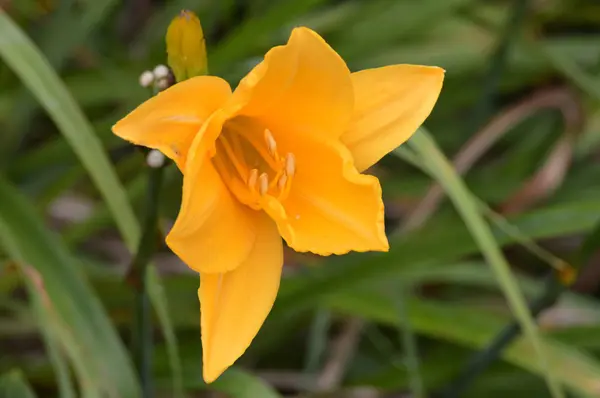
(49, 326)
(474, 328)
(433, 245)
(94, 345)
(14, 385)
(65, 30)
(463, 201)
(572, 71)
(240, 384)
(29, 64)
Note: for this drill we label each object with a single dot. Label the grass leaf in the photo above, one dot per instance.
(445, 174)
(94, 344)
(29, 64)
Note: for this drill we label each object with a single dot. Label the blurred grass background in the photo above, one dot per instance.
(518, 113)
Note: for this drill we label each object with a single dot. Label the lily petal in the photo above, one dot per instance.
(331, 207)
(234, 304)
(213, 231)
(169, 121)
(304, 84)
(390, 104)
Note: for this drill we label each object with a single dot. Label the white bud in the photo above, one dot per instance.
(146, 78)
(162, 84)
(155, 159)
(161, 72)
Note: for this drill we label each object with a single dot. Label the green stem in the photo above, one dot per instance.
(137, 277)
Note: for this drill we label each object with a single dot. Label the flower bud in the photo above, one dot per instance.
(186, 47)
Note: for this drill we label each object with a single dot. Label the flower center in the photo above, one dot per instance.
(249, 162)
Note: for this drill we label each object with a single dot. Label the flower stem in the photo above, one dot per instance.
(137, 276)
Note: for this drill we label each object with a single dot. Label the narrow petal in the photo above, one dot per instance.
(331, 208)
(390, 105)
(213, 231)
(303, 84)
(169, 120)
(234, 305)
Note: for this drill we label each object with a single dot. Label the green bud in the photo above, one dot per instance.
(186, 46)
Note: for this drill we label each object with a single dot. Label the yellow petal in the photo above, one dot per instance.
(169, 121)
(304, 85)
(331, 207)
(213, 231)
(390, 104)
(234, 305)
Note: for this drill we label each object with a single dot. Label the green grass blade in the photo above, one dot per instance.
(317, 341)
(474, 328)
(50, 334)
(14, 385)
(28, 63)
(409, 344)
(95, 344)
(571, 70)
(424, 146)
(20, 53)
(58, 38)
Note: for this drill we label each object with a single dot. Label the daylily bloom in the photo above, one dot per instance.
(281, 156)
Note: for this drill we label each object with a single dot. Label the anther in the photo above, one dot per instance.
(290, 164)
(271, 144)
(263, 183)
(282, 181)
(252, 178)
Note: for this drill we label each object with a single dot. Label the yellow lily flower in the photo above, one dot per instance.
(281, 156)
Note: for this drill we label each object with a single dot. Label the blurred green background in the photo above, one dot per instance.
(519, 113)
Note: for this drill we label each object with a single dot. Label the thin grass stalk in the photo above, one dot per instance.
(425, 146)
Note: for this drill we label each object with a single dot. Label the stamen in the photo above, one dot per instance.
(252, 179)
(290, 164)
(263, 183)
(271, 144)
(282, 181)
